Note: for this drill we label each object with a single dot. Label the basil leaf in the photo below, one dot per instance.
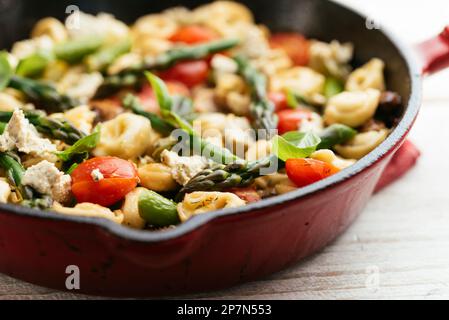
(81, 147)
(332, 87)
(33, 65)
(335, 134)
(6, 71)
(295, 145)
(163, 96)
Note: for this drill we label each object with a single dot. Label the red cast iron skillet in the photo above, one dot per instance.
(222, 248)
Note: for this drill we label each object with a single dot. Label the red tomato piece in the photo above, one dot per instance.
(193, 35)
(119, 178)
(190, 73)
(294, 44)
(248, 194)
(303, 172)
(290, 119)
(279, 99)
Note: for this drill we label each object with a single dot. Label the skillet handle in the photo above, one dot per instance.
(435, 53)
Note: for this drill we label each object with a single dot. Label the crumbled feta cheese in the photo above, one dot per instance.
(21, 134)
(45, 178)
(222, 63)
(313, 123)
(183, 168)
(80, 85)
(96, 175)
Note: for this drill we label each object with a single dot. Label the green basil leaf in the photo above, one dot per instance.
(82, 146)
(33, 65)
(295, 145)
(332, 87)
(336, 134)
(6, 71)
(163, 96)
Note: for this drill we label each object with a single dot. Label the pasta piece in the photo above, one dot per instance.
(5, 190)
(362, 144)
(125, 61)
(352, 108)
(331, 58)
(157, 177)
(274, 184)
(50, 27)
(150, 46)
(154, 26)
(302, 80)
(90, 210)
(130, 210)
(201, 202)
(273, 62)
(9, 102)
(329, 156)
(127, 136)
(313, 123)
(259, 150)
(81, 117)
(369, 76)
(224, 12)
(79, 84)
(55, 70)
(26, 48)
(204, 100)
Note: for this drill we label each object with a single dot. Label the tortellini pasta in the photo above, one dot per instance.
(274, 184)
(157, 177)
(5, 190)
(127, 136)
(81, 117)
(201, 202)
(369, 76)
(330, 157)
(301, 80)
(154, 26)
(91, 210)
(224, 13)
(9, 102)
(331, 58)
(50, 27)
(130, 210)
(362, 144)
(352, 108)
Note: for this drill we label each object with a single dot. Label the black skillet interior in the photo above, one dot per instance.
(319, 19)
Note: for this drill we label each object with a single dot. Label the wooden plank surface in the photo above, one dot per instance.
(399, 247)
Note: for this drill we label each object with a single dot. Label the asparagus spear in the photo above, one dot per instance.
(6, 71)
(335, 134)
(14, 172)
(262, 108)
(134, 76)
(101, 59)
(42, 94)
(219, 177)
(73, 51)
(53, 128)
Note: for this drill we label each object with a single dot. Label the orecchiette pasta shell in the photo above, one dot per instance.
(51, 27)
(352, 108)
(329, 156)
(127, 136)
(130, 210)
(369, 76)
(202, 202)
(157, 177)
(362, 144)
(87, 209)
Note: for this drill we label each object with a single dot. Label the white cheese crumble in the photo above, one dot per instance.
(20, 134)
(45, 178)
(183, 168)
(96, 175)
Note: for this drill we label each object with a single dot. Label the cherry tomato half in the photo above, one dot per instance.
(190, 73)
(149, 100)
(248, 194)
(193, 35)
(294, 44)
(290, 119)
(303, 172)
(279, 99)
(119, 178)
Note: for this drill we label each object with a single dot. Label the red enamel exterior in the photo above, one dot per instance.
(210, 251)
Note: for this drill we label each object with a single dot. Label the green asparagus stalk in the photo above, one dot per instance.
(156, 210)
(42, 94)
(6, 71)
(74, 50)
(335, 134)
(52, 128)
(219, 177)
(133, 77)
(262, 108)
(14, 172)
(101, 59)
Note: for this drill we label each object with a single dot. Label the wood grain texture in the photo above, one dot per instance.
(399, 247)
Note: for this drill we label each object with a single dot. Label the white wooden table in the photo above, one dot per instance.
(399, 247)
